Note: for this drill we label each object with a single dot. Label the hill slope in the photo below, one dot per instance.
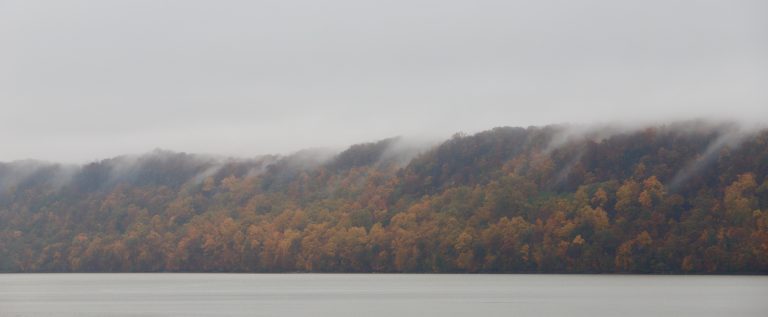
(683, 198)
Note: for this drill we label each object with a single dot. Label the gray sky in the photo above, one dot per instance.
(81, 80)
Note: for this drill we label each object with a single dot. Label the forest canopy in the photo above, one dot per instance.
(688, 197)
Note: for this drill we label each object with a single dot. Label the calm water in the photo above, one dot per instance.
(380, 295)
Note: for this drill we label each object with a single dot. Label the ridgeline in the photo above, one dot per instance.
(680, 198)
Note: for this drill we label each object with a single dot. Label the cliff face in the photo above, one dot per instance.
(682, 198)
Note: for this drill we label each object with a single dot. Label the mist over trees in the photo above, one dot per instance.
(682, 198)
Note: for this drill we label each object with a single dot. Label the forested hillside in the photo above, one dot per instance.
(681, 198)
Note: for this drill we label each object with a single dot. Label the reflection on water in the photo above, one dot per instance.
(380, 295)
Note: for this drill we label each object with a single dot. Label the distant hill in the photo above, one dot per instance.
(689, 197)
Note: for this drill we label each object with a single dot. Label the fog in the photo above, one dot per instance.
(86, 80)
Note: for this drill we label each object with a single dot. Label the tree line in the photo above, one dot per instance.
(680, 198)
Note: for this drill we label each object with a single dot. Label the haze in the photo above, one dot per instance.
(82, 80)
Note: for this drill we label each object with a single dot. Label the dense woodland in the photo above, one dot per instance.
(681, 198)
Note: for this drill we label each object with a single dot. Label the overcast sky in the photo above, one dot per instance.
(82, 80)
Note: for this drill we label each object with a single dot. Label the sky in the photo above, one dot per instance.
(85, 80)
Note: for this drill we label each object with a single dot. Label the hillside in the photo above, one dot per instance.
(682, 198)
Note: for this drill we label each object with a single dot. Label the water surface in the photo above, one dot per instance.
(380, 295)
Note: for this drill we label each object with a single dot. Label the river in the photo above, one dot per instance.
(399, 295)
